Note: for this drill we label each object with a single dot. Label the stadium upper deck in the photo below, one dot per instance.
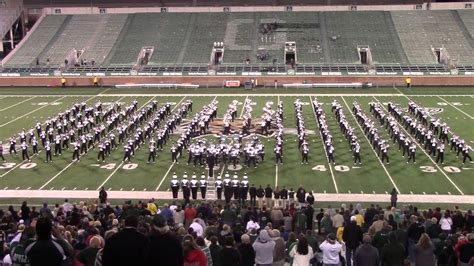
(397, 37)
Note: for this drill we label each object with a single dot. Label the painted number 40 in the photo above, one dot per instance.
(128, 166)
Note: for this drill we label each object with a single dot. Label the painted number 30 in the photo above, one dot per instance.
(6, 166)
(449, 169)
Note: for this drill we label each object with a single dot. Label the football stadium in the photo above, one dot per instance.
(240, 116)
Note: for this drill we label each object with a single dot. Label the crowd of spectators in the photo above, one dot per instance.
(209, 233)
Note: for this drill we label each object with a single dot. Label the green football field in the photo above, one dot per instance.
(22, 107)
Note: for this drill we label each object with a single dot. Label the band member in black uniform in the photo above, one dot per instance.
(49, 157)
(218, 184)
(75, 154)
(174, 186)
(440, 156)
(34, 145)
(203, 185)
(101, 155)
(152, 152)
(194, 187)
(411, 153)
(24, 152)
(253, 195)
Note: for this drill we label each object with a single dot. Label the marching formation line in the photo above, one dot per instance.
(115, 171)
(13, 105)
(452, 105)
(368, 142)
(33, 155)
(421, 148)
(324, 149)
(37, 109)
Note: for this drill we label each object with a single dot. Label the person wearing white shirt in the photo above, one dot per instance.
(197, 227)
(302, 252)
(446, 222)
(331, 249)
(252, 225)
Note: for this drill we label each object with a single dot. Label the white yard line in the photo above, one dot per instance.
(243, 107)
(421, 148)
(107, 179)
(324, 149)
(13, 105)
(54, 177)
(452, 105)
(37, 109)
(164, 177)
(276, 175)
(362, 131)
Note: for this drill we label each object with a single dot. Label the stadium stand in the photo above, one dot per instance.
(467, 18)
(421, 31)
(39, 40)
(180, 39)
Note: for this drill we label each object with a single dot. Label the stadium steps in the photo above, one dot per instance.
(463, 27)
(187, 37)
(38, 41)
(467, 18)
(56, 36)
(397, 42)
(325, 40)
(120, 38)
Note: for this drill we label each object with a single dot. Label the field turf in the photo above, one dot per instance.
(22, 107)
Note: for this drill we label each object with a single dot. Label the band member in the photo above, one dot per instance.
(411, 153)
(101, 155)
(384, 151)
(357, 154)
(278, 156)
(24, 151)
(203, 185)
(75, 154)
(13, 145)
(194, 187)
(47, 148)
(1, 152)
(219, 186)
(174, 186)
(465, 153)
(152, 152)
(440, 157)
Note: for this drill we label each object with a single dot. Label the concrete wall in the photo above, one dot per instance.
(218, 81)
(96, 10)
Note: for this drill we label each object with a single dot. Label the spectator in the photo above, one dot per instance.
(102, 195)
(127, 247)
(193, 256)
(352, 236)
(366, 254)
(17, 249)
(302, 252)
(276, 216)
(446, 222)
(229, 256)
(45, 250)
(263, 247)
(25, 213)
(165, 248)
(251, 224)
(202, 245)
(393, 253)
(279, 250)
(246, 251)
(197, 227)
(393, 198)
(466, 252)
(424, 251)
(88, 255)
(331, 250)
(447, 256)
(215, 250)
